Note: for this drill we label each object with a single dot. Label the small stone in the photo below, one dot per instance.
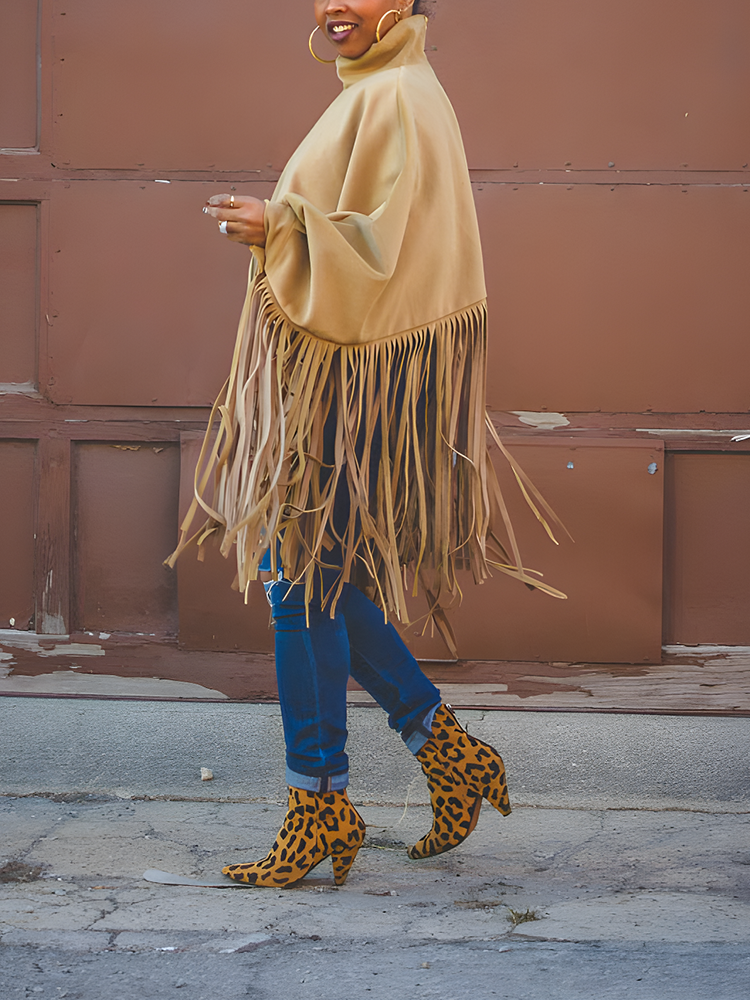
(425, 965)
(207, 774)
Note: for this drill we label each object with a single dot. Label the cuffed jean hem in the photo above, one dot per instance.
(330, 783)
(422, 733)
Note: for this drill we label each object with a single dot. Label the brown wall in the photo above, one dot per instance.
(124, 516)
(155, 325)
(624, 297)
(19, 107)
(608, 145)
(17, 460)
(707, 547)
(611, 571)
(19, 292)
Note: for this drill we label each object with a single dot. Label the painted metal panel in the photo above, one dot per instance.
(707, 549)
(593, 290)
(146, 294)
(125, 524)
(53, 534)
(182, 84)
(582, 84)
(578, 83)
(18, 74)
(629, 299)
(18, 293)
(612, 573)
(212, 615)
(17, 533)
(623, 300)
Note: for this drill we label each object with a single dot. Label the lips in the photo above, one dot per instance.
(339, 31)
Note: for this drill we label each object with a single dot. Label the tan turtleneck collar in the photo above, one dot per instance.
(403, 45)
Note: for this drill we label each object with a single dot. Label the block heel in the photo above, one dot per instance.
(342, 864)
(461, 771)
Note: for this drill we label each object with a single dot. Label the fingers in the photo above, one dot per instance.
(222, 200)
(236, 226)
(223, 214)
(236, 233)
(222, 207)
(226, 213)
(234, 230)
(239, 218)
(230, 200)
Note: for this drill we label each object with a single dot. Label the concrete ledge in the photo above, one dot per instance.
(571, 760)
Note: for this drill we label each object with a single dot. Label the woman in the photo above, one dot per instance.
(351, 453)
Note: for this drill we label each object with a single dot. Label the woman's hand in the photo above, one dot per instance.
(243, 215)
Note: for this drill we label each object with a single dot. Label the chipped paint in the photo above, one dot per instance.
(543, 420)
(73, 649)
(105, 685)
(28, 640)
(52, 622)
(54, 645)
(693, 432)
(740, 653)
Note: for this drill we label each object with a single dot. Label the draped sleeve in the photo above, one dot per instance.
(335, 227)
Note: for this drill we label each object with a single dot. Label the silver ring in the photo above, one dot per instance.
(223, 228)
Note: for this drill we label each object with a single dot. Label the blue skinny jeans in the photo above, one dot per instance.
(313, 665)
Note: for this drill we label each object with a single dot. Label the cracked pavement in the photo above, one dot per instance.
(643, 903)
(628, 842)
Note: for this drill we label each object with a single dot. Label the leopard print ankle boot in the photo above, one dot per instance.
(318, 825)
(469, 760)
(455, 809)
(460, 772)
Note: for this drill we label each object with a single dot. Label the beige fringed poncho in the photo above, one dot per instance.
(366, 309)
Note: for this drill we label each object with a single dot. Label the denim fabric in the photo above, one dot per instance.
(313, 664)
(312, 670)
(385, 668)
(333, 783)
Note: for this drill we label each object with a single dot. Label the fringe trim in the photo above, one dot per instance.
(435, 498)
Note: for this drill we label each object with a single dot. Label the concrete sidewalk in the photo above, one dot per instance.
(590, 760)
(546, 903)
(626, 873)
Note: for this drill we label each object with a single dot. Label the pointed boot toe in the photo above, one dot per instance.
(317, 825)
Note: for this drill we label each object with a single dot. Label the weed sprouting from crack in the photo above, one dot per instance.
(517, 917)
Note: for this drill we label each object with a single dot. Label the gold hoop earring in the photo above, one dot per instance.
(380, 22)
(309, 45)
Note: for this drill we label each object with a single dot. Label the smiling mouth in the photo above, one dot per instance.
(340, 29)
